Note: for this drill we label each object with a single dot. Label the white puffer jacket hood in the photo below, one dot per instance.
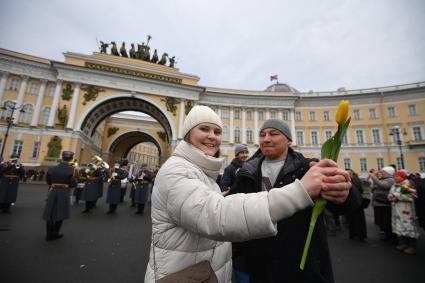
(192, 221)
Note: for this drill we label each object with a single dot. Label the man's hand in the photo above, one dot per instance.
(327, 180)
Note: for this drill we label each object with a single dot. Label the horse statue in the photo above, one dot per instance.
(172, 61)
(163, 60)
(133, 52)
(123, 51)
(147, 56)
(103, 47)
(155, 57)
(114, 49)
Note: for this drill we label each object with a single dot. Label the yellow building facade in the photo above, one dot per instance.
(68, 106)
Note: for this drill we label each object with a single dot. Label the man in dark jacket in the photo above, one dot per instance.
(229, 175)
(277, 259)
(60, 179)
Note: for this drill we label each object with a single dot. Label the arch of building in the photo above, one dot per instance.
(119, 103)
(122, 145)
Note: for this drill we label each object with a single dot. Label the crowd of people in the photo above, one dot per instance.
(250, 223)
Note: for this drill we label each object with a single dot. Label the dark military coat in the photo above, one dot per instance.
(60, 178)
(9, 181)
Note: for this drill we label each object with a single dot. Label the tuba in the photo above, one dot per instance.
(98, 161)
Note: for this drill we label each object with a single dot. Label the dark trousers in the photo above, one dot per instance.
(113, 208)
(52, 229)
(140, 208)
(5, 207)
(89, 205)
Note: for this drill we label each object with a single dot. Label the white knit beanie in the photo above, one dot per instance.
(390, 170)
(200, 114)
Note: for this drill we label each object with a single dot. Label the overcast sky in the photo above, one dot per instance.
(312, 45)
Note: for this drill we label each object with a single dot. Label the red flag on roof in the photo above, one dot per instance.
(273, 78)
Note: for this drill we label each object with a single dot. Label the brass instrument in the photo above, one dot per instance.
(98, 161)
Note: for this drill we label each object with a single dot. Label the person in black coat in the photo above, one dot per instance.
(10, 174)
(113, 197)
(144, 179)
(60, 178)
(277, 259)
(229, 175)
(356, 218)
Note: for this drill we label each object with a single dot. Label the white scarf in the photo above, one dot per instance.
(208, 164)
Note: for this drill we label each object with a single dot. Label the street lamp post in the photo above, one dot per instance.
(395, 132)
(9, 119)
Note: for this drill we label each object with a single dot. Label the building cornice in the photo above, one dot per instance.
(83, 75)
(24, 67)
(248, 101)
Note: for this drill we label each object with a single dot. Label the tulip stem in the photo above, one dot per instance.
(319, 205)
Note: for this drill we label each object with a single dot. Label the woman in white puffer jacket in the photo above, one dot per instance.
(192, 221)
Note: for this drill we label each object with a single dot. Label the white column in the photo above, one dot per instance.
(181, 119)
(243, 126)
(267, 112)
(36, 115)
(219, 111)
(55, 104)
(3, 82)
(293, 133)
(74, 104)
(20, 98)
(231, 132)
(256, 133)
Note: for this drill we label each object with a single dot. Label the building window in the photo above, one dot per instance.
(26, 116)
(347, 163)
(14, 84)
(45, 116)
(285, 116)
(36, 149)
(237, 135)
(363, 164)
(273, 115)
(51, 91)
(380, 163)
(345, 139)
(33, 88)
(412, 110)
(298, 116)
(359, 136)
(237, 114)
(326, 116)
(312, 116)
(300, 137)
(422, 163)
(4, 113)
(260, 115)
(249, 135)
(356, 113)
(248, 115)
(17, 147)
(376, 136)
(328, 134)
(314, 138)
(372, 113)
(391, 111)
(225, 133)
(225, 114)
(417, 134)
(394, 135)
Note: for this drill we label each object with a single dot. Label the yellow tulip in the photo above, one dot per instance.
(342, 112)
